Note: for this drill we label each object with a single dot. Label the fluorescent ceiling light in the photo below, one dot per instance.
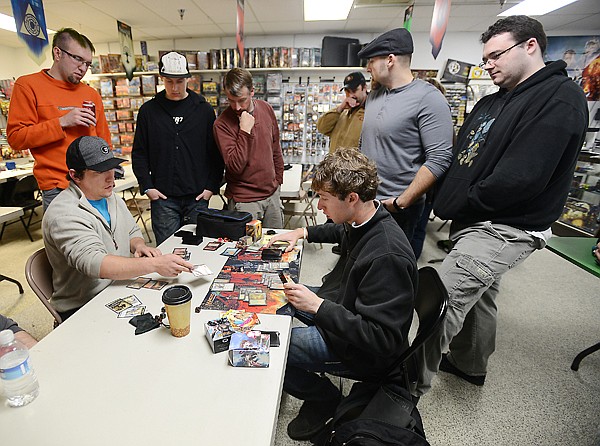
(536, 7)
(315, 10)
(8, 23)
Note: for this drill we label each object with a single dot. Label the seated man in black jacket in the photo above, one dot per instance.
(358, 320)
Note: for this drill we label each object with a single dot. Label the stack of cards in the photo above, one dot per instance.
(148, 283)
(127, 306)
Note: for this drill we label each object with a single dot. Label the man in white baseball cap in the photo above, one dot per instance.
(175, 157)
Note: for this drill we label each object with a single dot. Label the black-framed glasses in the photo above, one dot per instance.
(495, 56)
(76, 58)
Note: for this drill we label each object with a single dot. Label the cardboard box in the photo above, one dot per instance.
(254, 230)
(250, 349)
(218, 334)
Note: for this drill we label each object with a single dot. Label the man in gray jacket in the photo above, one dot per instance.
(407, 129)
(90, 235)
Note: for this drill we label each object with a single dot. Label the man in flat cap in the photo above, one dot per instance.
(407, 129)
(90, 235)
(344, 123)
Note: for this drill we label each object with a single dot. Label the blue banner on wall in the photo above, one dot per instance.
(31, 26)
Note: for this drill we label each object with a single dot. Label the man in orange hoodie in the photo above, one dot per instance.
(47, 111)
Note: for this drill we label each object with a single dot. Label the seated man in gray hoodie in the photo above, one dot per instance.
(90, 234)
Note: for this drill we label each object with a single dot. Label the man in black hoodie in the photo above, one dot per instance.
(175, 157)
(358, 320)
(510, 175)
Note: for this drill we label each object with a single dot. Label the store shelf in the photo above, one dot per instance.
(252, 70)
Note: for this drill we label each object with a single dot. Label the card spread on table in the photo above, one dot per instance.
(155, 284)
(201, 270)
(139, 282)
(123, 303)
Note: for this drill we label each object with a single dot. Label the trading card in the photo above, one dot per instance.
(281, 244)
(222, 286)
(231, 252)
(213, 246)
(156, 284)
(119, 305)
(201, 270)
(182, 252)
(138, 283)
(257, 298)
(133, 311)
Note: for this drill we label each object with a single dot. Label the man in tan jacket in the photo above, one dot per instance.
(344, 123)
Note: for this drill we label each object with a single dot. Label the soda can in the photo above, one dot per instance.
(91, 105)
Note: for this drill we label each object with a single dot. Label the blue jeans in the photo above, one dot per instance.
(471, 273)
(307, 357)
(49, 195)
(171, 214)
(408, 218)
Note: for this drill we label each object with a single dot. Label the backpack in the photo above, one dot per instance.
(374, 415)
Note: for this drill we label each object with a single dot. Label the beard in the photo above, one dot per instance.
(73, 80)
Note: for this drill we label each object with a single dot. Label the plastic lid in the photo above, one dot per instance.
(6, 336)
(176, 295)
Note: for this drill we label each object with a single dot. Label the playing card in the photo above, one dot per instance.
(155, 284)
(182, 252)
(133, 311)
(213, 246)
(222, 287)
(123, 303)
(257, 298)
(138, 283)
(201, 270)
(231, 252)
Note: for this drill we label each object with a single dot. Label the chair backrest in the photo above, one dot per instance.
(38, 272)
(24, 193)
(431, 304)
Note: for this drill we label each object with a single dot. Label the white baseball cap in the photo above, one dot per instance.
(173, 64)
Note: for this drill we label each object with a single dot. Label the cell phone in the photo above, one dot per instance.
(274, 337)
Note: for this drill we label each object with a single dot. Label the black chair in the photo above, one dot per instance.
(24, 196)
(431, 304)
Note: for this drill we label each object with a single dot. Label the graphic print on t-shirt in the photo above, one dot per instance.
(477, 139)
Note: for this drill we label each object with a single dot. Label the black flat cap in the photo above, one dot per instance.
(397, 41)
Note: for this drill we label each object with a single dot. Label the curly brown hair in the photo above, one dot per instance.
(347, 170)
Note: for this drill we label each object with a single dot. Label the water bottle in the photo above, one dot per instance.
(17, 375)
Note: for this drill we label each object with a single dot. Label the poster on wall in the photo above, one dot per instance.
(456, 71)
(127, 56)
(582, 55)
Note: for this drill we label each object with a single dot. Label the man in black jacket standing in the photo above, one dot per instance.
(358, 320)
(175, 157)
(509, 178)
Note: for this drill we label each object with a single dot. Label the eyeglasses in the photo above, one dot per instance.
(77, 59)
(495, 56)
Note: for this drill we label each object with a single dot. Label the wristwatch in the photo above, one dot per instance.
(398, 208)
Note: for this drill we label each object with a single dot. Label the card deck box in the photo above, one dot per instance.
(254, 230)
(250, 349)
(218, 334)
(217, 223)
